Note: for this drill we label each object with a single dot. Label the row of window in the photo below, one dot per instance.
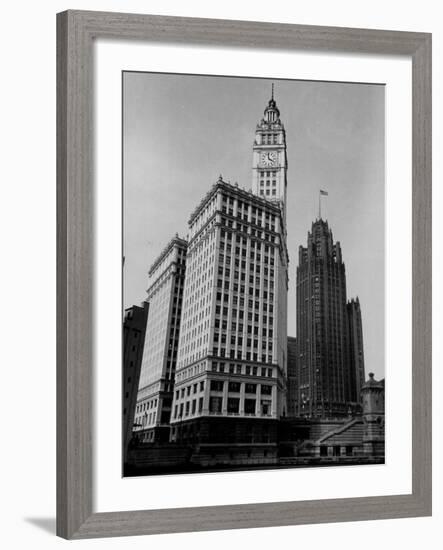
(237, 339)
(226, 255)
(254, 211)
(237, 275)
(268, 224)
(248, 370)
(268, 192)
(235, 387)
(269, 139)
(233, 406)
(248, 356)
(192, 388)
(146, 406)
(253, 232)
(188, 408)
(223, 323)
(257, 292)
(219, 310)
(268, 183)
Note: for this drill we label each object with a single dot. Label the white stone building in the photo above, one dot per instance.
(165, 293)
(232, 354)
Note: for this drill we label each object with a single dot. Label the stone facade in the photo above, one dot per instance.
(326, 378)
(232, 348)
(165, 294)
(373, 394)
(357, 358)
(292, 375)
(134, 328)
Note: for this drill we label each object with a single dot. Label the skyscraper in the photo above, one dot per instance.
(165, 293)
(356, 346)
(134, 330)
(232, 348)
(326, 384)
(233, 342)
(292, 375)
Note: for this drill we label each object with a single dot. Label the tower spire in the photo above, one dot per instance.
(272, 91)
(320, 193)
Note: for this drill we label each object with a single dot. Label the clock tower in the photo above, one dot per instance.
(269, 164)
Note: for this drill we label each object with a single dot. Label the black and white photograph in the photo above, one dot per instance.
(253, 273)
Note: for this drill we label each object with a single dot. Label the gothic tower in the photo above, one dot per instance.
(325, 386)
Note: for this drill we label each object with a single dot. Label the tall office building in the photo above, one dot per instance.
(232, 348)
(165, 294)
(134, 329)
(233, 342)
(292, 375)
(326, 385)
(357, 358)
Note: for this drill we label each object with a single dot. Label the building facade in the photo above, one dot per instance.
(232, 349)
(134, 329)
(269, 160)
(373, 396)
(165, 295)
(292, 375)
(326, 385)
(232, 360)
(357, 358)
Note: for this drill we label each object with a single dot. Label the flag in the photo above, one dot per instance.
(323, 192)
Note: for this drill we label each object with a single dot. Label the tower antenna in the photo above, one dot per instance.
(321, 192)
(272, 91)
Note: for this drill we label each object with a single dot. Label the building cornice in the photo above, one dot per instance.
(237, 191)
(183, 243)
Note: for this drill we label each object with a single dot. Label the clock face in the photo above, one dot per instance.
(269, 158)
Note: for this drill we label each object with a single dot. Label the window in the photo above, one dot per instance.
(216, 385)
(233, 405)
(250, 388)
(249, 406)
(266, 390)
(234, 387)
(215, 404)
(265, 407)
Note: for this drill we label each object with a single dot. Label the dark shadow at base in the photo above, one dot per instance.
(46, 524)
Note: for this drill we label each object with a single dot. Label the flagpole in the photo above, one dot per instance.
(319, 205)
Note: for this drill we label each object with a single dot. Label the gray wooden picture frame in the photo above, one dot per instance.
(76, 32)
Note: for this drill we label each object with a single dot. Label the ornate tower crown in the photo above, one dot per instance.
(272, 114)
(269, 160)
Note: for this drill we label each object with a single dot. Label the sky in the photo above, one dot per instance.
(180, 132)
